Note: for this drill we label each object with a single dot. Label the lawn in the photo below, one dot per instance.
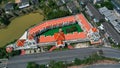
(18, 26)
(52, 31)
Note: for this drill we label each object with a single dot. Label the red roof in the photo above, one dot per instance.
(9, 49)
(20, 42)
(84, 22)
(30, 37)
(49, 23)
(59, 42)
(94, 29)
(59, 36)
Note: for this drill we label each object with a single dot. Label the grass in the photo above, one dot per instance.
(18, 26)
(55, 30)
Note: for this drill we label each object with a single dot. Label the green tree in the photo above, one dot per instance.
(32, 65)
(59, 64)
(108, 4)
(77, 61)
(0, 1)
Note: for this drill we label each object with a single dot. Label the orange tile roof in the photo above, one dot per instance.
(43, 39)
(94, 29)
(59, 42)
(73, 36)
(17, 1)
(20, 42)
(59, 36)
(30, 37)
(76, 35)
(51, 22)
(84, 22)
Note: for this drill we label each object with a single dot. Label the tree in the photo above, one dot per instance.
(4, 20)
(108, 4)
(3, 53)
(32, 65)
(57, 13)
(0, 1)
(59, 64)
(42, 66)
(77, 61)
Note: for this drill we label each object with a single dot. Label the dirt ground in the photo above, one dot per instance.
(96, 63)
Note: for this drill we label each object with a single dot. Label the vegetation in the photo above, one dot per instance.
(32, 65)
(4, 54)
(72, 28)
(51, 10)
(59, 64)
(107, 4)
(4, 20)
(5, 1)
(57, 14)
(18, 26)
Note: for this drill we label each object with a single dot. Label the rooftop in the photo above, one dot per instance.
(9, 6)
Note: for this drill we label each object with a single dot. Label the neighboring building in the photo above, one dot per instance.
(22, 3)
(93, 13)
(9, 7)
(65, 1)
(110, 16)
(72, 7)
(34, 2)
(116, 4)
(59, 2)
(83, 2)
(63, 8)
(96, 1)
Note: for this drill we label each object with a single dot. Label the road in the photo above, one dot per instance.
(111, 31)
(69, 55)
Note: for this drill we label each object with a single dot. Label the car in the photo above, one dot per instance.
(100, 52)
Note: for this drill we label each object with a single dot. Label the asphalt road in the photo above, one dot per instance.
(111, 31)
(69, 55)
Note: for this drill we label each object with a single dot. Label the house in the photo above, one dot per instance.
(63, 8)
(9, 7)
(65, 1)
(96, 1)
(116, 4)
(72, 7)
(22, 3)
(83, 2)
(34, 2)
(93, 13)
(59, 2)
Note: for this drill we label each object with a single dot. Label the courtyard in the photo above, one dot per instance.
(66, 29)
